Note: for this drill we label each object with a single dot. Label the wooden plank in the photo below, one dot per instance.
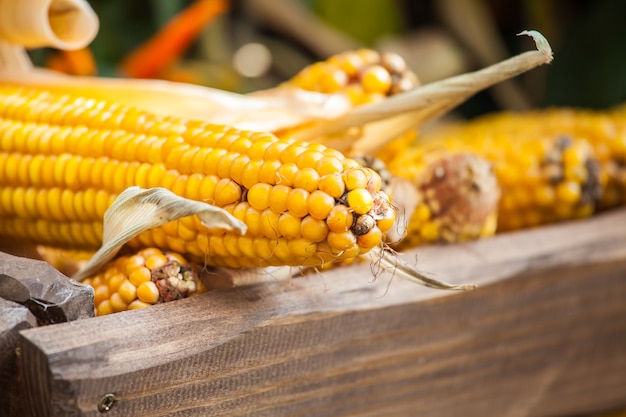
(544, 335)
(13, 318)
(49, 295)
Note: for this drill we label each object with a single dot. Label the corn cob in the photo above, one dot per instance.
(365, 75)
(551, 165)
(145, 278)
(63, 160)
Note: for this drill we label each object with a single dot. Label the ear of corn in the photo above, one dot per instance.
(551, 165)
(365, 75)
(63, 160)
(149, 276)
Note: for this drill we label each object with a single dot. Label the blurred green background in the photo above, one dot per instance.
(438, 38)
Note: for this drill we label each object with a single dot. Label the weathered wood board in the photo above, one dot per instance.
(544, 335)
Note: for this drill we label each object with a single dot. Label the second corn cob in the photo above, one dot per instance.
(551, 165)
(63, 159)
(148, 277)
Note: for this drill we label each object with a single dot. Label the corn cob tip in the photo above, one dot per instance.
(455, 198)
(147, 277)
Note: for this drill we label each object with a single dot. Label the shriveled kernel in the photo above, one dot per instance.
(394, 63)
(360, 200)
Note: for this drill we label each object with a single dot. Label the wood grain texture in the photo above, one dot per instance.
(49, 295)
(13, 318)
(544, 335)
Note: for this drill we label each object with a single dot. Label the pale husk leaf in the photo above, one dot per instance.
(138, 209)
(381, 121)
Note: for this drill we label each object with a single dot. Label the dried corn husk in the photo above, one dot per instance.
(137, 209)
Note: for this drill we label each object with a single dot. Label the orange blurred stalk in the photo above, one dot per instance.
(74, 62)
(166, 46)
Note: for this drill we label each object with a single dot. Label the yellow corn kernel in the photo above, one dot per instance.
(341, 241)
(258, 196)
(376, 79)
(313, 229)
(340, 219)
(360, 200)
(278, 197)
(289, 225)
(320, 204)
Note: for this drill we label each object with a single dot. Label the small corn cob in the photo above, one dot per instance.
(364, 75)
(551, 165)
(148, 277)
(64, 159)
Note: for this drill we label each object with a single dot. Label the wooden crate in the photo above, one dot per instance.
(544, 335)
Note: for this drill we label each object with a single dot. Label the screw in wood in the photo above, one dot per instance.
(106, 402)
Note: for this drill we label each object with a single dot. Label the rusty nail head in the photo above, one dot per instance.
(106, 402)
